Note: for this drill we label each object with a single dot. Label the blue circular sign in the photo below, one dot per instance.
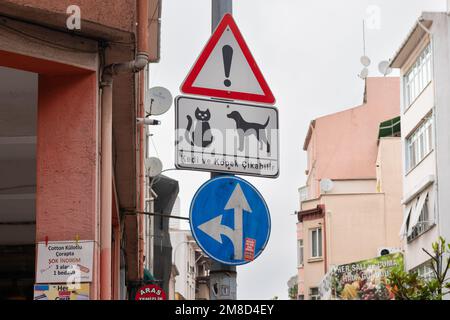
(230, 220)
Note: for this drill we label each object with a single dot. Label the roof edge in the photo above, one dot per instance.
(414, 36)
(312, 125)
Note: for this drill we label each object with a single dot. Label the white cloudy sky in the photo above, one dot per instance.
(309, 53)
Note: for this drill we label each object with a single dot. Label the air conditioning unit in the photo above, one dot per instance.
(384, 251)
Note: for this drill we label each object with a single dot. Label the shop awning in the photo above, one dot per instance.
(408, 210)
(148, 277)
(415, 213)
(390, 128)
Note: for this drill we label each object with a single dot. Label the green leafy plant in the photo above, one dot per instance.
(293, 292)
(410, 286)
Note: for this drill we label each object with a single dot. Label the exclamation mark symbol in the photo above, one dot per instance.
(227, 52)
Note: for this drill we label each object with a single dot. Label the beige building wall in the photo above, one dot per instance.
(389, 168)
(356, 225)
(314, 268)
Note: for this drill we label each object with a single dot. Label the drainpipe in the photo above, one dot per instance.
(134, 66)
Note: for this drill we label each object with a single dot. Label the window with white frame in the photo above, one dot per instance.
(300, 253)
(420, 143)
(424, 222)
(425, 271)
(316, 242)
(314, 294)
(418, 77)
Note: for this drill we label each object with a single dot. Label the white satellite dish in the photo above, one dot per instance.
(326, 185)
(154, 167)
(384, 68)
(365, 60)
(364, 73)
(159, 101)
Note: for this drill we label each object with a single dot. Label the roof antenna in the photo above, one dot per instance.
(365, 60)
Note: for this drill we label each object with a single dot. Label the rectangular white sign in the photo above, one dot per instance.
(230, 137)
(65, 262)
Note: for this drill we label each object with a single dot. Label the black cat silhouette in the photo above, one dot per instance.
(199, 134)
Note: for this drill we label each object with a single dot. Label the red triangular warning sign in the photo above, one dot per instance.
(227, 69)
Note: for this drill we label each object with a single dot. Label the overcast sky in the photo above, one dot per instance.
(309, 52)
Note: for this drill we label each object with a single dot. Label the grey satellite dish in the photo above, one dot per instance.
(326, 185)
(365, 60)
(154, 167)
(159, 101)
(384, 68)
(364, 73)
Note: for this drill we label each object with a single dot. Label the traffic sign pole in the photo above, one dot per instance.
(221, 276)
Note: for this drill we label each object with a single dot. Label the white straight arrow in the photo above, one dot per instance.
(215, 229)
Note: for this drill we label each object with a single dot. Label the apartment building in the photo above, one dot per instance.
(423, 60)
(67, 90)
(350, 208)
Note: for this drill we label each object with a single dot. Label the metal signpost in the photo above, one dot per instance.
(229, 218)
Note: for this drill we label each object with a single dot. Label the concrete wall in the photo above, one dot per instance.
(344, 145)
(67, 161)
(116, 14)
(314, 268)
(389, 164)
(67, 157)
(355, 227)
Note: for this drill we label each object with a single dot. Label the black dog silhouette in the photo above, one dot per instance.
(247, 128)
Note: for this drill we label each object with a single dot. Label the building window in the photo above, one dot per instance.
(303, 192)
(301, 297)
(423, 224)
(424, 271)
(418, 77)
(420, 143)
(316, 243)
(314, 294)
(300, 252)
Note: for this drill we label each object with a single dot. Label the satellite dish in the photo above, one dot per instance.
(384, 68)
(154, 167)
(364, 73)
(365, 60)
(326, 185)
(159, 101)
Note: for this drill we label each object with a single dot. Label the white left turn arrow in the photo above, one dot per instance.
(215, 229)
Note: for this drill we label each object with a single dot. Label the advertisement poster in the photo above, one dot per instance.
(365, 280)
(61, 292)
(68, 262)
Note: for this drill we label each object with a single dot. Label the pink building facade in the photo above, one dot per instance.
(65, 179)
(350, 207)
